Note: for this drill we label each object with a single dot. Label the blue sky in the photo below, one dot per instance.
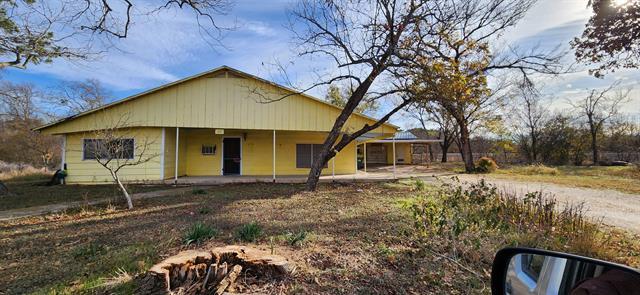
(168, 46)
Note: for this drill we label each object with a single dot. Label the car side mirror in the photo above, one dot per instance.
(520, 271)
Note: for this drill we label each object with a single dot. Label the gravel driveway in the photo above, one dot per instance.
(615, 208)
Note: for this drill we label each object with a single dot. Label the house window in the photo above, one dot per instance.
(208, 149)
(101, 149)
(306, 153)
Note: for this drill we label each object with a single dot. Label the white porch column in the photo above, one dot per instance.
(333, 168)
(394, 155)
(162, 151)
(63, 153)
(175, 175)
(274, 155)
(365, 156)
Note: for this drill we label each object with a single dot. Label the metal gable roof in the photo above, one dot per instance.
(218, 69)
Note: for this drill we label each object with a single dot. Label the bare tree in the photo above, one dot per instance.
(364, 40)
(17, 101)
(114, 147)
(530, 115)
(431, 112)
(453, 67)
(37, 31)
(597, 108)
(19, 113)
(77, 96)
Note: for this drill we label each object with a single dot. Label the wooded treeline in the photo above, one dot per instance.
(26, 106)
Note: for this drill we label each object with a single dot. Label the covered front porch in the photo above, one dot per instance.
(194, 155)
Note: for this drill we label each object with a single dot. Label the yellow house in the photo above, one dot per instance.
(220, 122)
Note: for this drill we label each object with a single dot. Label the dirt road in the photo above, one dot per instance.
(615, 208)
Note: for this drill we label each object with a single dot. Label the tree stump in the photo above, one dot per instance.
(212, 271)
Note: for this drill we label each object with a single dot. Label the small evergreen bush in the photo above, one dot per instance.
(486, 165)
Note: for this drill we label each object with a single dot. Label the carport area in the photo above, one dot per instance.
(403, 149)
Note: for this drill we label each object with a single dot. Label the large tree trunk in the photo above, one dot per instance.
(465, 147)
(444, 147)
(594, 146)
(534, 147)
(330, 147)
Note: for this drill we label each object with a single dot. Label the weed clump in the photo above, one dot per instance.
(539, 169)
(199, 232)
(249, 232)
(198, 191)
(296, 238)
(476, 220)
(419, 185)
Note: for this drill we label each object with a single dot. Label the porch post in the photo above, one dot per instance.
(63, 153)
(394, 155)
(365, 156)
(175, 175)
(63, 157)
(274, 155)
(162, 151)
(333, 168)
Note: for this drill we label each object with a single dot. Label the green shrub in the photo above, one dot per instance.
(249, 232)
(204, 210)
(296, 238)
(198, 233)
(538, 169)
(198, 191)
(486, 165)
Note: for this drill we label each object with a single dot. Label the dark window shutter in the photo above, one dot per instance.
(89, 148)
(127, 146)
(303, 155)
(96, 148)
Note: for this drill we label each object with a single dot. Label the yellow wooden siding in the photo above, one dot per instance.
(406, 147)
(257, 152)
(169, 152)
(89, 171)
(219, 102)
(400, 147)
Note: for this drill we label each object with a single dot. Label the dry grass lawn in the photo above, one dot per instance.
(30, 191)
(624, 179)
(360, 241)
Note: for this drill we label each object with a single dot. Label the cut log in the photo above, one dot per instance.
(229, 279)
(206, 278)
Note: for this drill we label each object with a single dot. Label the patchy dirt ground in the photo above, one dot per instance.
(360, 241)
(357, 244)
(613, 207)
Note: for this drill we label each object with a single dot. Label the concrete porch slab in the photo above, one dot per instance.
(373, 174)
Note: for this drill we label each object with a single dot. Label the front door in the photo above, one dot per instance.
(231, 156)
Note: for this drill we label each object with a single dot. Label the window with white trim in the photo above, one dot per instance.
(101, 149)
(306, 153)
(208, 149)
